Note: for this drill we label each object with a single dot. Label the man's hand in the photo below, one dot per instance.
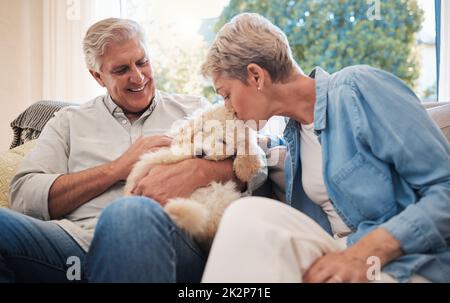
(124, 164)
(181, 179)
(169, 181)
(351, 265)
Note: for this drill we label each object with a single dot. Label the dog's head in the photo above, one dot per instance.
(214, 134)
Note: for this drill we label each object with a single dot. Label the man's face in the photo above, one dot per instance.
(127, 75)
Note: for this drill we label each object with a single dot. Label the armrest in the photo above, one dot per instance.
(29, 124)
(441, 115)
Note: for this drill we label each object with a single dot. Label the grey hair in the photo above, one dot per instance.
(106, 32)
(249, 38)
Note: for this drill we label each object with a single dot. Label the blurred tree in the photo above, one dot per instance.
(337, 33)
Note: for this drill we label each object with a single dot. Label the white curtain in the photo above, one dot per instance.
(444, 73)
(65, 22)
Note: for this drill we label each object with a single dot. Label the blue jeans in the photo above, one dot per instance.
(135, 241)
(32, 250)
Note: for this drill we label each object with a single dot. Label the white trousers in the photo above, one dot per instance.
(265, 241)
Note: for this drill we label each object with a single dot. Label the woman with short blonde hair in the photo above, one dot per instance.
(250, 39)
(368, 204)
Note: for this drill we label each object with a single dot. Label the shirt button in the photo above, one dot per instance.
(124, 122)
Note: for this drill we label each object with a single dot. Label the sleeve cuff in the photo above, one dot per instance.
(415, 231)
(32, 200)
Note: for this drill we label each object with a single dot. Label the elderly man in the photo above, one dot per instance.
(79, 166)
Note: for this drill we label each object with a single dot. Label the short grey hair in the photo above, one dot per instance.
(249, 38)
(106, 32)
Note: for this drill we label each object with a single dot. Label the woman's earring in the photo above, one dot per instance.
(259, 88)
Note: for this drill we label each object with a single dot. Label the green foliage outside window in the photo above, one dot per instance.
(337, 33)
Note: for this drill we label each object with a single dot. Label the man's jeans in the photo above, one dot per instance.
(32, 250)
(134, 241)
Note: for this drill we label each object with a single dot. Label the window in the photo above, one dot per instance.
(65, 76)
(177, 39)
(426, 43)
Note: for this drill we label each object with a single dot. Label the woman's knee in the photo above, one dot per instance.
(249, 208)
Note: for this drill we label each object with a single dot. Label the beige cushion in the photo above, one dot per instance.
(9, 162)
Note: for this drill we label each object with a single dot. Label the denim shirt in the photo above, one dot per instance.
(385, 164)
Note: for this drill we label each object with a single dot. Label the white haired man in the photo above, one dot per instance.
(77, 170)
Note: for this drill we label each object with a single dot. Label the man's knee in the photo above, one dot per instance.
(5, 224)
(132, 211)
(8, 223)
(5, 215)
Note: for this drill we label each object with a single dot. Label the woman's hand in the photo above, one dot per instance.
(345, 266)
(353, 263)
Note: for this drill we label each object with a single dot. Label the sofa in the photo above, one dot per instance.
(28, 125)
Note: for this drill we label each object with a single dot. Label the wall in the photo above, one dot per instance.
(20, 60)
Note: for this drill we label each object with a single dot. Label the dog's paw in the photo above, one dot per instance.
(188, 215)
(246, 166)
(129, 186)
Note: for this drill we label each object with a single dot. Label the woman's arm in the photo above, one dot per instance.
(398, 130)
(392, 123)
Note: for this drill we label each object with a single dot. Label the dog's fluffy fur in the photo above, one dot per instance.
(199, 215)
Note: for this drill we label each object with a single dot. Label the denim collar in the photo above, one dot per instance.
(320, 108)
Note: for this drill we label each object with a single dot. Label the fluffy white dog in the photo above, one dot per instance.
(215, 134)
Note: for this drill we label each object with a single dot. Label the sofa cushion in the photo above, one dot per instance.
(9, 162)
(441, 115)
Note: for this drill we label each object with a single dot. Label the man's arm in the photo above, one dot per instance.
(44, 188)
(69, 192)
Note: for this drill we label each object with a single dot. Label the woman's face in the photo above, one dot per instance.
(247, 101)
